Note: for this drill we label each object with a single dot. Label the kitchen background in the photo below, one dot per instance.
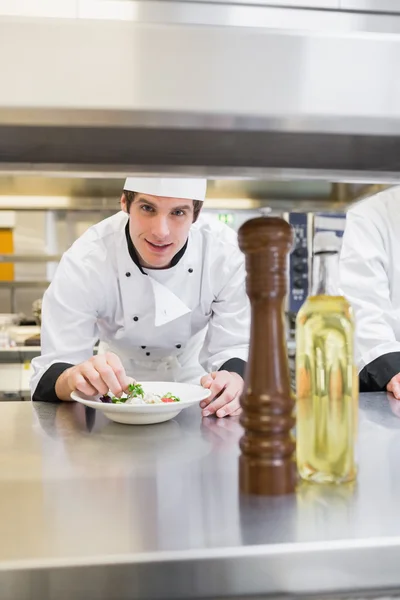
(44, 215)
(41, 216)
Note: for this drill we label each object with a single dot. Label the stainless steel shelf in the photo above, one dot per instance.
(23, 284)
(30, 258)
(13, 286)
(19, 355)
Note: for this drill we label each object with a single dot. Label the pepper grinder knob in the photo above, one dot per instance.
(266, 464)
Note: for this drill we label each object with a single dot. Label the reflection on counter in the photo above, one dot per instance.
(329, 506)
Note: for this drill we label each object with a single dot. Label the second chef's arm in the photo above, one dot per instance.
(365, 283)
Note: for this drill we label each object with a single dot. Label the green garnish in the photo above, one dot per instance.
(135, 389)
(174, 398)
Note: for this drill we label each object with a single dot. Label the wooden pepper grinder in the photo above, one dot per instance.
(267, 448)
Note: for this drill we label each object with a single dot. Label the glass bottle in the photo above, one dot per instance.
(326, 377)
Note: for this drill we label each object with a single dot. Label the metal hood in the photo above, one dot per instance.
(144, 96)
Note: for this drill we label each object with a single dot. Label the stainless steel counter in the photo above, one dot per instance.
(95, 510)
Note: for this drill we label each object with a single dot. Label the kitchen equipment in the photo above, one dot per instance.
(8, 319)
(19, 334)
(37, 311)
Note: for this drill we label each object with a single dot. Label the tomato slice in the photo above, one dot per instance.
(167, 399)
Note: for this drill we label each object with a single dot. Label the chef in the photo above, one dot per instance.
(163, 290)
(370, 279)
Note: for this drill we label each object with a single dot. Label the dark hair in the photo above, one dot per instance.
(130, 196)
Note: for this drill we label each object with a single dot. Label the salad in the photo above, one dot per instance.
(136, 395)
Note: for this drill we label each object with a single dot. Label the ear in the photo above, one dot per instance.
(123, 203)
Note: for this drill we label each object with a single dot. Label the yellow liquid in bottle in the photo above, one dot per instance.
(327, 390)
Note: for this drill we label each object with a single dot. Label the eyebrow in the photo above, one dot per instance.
(150, 203)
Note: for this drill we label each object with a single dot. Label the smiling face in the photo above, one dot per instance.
(159, 227)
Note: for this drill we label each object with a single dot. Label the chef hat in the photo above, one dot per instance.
(193, 189)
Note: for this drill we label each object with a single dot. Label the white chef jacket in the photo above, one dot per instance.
(169, 325)
(370, 278)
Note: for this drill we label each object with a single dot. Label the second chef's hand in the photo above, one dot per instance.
(226, 389)
(394, 386)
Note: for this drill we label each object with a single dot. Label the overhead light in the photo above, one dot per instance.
(237, 203)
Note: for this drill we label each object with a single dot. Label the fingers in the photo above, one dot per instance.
(230, 410)
(231, 406)
(228, 394)
(115, 363)
(394, 387)
(221, 381)
(99, 375)
(79, 383)
(226, 389)
(206, 381)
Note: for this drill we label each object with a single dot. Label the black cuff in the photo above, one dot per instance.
(45, 390)
(375, 376)
(234, 365)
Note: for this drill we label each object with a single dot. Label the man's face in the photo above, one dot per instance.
(158, 227)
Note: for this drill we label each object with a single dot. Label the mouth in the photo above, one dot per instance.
(158, 248)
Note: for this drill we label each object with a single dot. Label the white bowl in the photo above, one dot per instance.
(146, 414)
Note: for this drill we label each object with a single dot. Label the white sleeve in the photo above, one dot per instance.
(228, 332)
(69, 317)
(364, 280)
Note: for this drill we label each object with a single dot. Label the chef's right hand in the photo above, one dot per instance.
(98, 375)
(394, 386)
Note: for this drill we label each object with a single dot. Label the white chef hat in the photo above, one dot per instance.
(193, 189)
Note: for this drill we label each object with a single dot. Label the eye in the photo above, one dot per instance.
(146, 208)
(179, 213)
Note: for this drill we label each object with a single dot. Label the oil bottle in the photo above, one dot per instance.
(326, 378)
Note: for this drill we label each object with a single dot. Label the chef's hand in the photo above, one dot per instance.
(394, 386)
(95, 376)
(225, 393)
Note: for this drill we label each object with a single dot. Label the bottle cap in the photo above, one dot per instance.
(326, 241)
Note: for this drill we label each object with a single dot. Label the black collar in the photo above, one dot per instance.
(134, 255)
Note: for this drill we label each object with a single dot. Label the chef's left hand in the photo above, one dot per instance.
(225, 393)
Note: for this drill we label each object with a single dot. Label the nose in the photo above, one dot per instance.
(160, 228)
